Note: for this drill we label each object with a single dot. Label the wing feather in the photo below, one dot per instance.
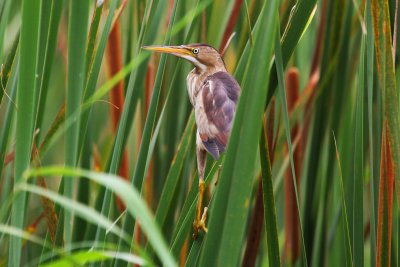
(220, 94)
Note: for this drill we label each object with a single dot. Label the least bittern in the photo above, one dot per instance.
(213, 93)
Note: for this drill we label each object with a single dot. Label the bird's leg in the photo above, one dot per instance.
(199, 223)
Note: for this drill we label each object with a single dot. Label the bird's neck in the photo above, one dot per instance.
(210, 70)
(202, 74)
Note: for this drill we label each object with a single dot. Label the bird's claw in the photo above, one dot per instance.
(200, 225)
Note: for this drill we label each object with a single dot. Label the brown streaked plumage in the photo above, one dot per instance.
(213, 93)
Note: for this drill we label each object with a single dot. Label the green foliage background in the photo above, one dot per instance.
(332, 151)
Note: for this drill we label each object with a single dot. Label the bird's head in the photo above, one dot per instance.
(202, 56)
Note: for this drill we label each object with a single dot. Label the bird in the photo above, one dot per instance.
(214, 94)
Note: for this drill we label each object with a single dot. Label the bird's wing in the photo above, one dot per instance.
(220, 94)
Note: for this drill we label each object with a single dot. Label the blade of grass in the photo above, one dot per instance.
(83, 211)
(269, 203)
(77, 34)
(26, 236)
(384, 226)
(193, 256)
(25, 120)
(6, 127)
(349, 254)
(69, 260)
(6, 181)
(358, 177)
(370, 86)
(5, 69)
(93, 32)
(128, 194)
(5, 13)
(7, 229)
(50, 49)
(44, 25)
(395, 27)
(390, 150)
(387, 82)
(95, 56)
(85, 140)
(83, 258)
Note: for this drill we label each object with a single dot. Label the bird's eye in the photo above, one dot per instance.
(195, 51)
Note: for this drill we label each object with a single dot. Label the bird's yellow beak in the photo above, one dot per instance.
(174, 50)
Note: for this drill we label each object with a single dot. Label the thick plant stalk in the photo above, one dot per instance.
(292, 242)
(117, 98)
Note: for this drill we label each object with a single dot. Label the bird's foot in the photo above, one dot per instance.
(200, 225)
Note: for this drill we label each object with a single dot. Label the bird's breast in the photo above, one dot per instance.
(195, 81)
(192, 87)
